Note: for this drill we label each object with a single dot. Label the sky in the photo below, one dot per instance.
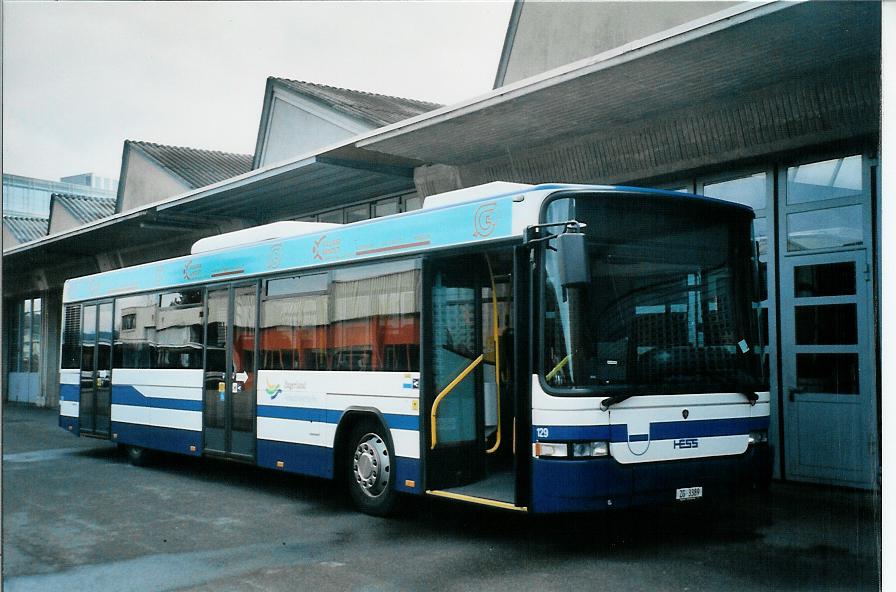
(81, 77)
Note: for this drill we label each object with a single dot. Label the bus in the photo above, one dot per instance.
(538, 348)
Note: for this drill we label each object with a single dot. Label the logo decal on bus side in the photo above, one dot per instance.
(325, 248)
(275, 256)
(686, 443)
(273, 390)
(484, 223)
(192, 270)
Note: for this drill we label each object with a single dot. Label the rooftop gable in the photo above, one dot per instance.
(83, 208)
(321, 114)
(25, 229)
(194, 166)
(377, 109)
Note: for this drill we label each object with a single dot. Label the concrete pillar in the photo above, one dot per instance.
(51, 332)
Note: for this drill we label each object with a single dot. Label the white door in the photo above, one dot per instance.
(827, 362)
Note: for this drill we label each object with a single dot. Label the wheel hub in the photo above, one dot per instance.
(371, 465)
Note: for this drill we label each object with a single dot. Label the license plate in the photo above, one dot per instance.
(688, 493)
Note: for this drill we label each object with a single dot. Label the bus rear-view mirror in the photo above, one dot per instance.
(572, 254)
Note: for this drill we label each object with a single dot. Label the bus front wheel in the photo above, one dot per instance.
(370, 469)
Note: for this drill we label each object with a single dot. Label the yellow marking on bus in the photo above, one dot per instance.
(192, 448)
(415, 405)
(476, 500)
(410, 483)
(279, 464)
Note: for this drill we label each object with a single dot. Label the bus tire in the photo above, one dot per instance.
(370, 469)
(137, 456)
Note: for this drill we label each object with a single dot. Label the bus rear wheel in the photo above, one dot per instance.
(370, 469)
(137, 456)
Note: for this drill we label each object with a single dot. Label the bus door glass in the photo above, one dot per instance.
(96, 370)
(469, 392)
(456, 356)
(229, 391)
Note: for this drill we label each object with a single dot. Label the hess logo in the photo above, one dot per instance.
(685, 443)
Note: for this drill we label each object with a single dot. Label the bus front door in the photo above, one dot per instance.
(95, 407)
(466, 457)
(229, 389)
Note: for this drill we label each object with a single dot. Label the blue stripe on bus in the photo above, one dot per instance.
(658, 431)
(395, 421)
(614, 433)
(125, 394)
(706, 427)
(297, 413)
(70, 392)
(158, 438)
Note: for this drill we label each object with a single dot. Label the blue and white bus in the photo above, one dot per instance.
(548, 348)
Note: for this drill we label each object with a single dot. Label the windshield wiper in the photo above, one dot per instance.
(609, 401)
(751, 396)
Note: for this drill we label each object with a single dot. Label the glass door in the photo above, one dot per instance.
(95, 408)
(829, 411)
(229, 381)
(455, 440)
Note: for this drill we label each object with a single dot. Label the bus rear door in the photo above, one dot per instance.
(95, 408)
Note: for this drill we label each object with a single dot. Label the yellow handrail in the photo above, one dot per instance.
(557, 368)
(491, 276)
(444, 393)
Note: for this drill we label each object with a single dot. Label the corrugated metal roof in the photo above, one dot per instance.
(85, 209)
(724, 59)
(195, 166)
(377, 109)
(26, 228)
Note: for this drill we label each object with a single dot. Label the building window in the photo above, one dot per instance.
(386, 207)
(830, 179)
(750, 191)
(333, 217)
(357, 213)
(824, 205)
(128, 322)
(24, 336)
(412, 202)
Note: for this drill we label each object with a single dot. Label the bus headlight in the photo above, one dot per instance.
(573, 450)
(590, 449)
(551, 449)
(757, 437)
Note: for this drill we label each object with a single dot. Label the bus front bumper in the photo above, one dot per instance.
(601, 484)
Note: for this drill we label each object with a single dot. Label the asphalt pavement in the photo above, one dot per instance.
(77, 516)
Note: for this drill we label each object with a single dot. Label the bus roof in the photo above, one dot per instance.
(448, 220)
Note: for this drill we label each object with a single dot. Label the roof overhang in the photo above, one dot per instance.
(340, 175)
(719, 59)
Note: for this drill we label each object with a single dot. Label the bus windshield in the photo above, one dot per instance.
(670, 305)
